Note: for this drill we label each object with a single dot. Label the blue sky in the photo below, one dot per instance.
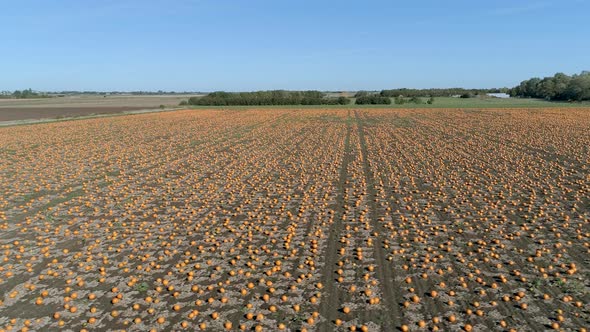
(286, 44)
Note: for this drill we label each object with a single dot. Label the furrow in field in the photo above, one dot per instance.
(331, 300)
(386, 275)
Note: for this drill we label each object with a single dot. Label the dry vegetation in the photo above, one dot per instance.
(298, 220)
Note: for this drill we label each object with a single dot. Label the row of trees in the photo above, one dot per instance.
(23, 94)
(437, 92)
(134, 93)
(258, 98)
(282, 97)
(558, 87)
(372, 100)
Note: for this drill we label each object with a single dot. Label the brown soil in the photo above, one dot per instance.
(29, 113)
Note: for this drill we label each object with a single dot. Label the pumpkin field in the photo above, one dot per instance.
(298, 220)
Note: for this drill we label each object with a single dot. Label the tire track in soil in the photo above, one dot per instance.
(384, 273)
(331, 298)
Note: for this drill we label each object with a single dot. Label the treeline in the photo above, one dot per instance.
(260, 98)
(29, 93)
(558, 87)
(439, 92)
(125, 93)
(372, 100)
(375, 99)
(23, 94)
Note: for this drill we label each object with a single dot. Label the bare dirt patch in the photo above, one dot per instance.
(30, 113)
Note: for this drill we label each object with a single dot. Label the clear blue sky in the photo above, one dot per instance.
(287, 44)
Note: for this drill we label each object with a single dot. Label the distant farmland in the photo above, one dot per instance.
(342, 219)
(83, 105)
